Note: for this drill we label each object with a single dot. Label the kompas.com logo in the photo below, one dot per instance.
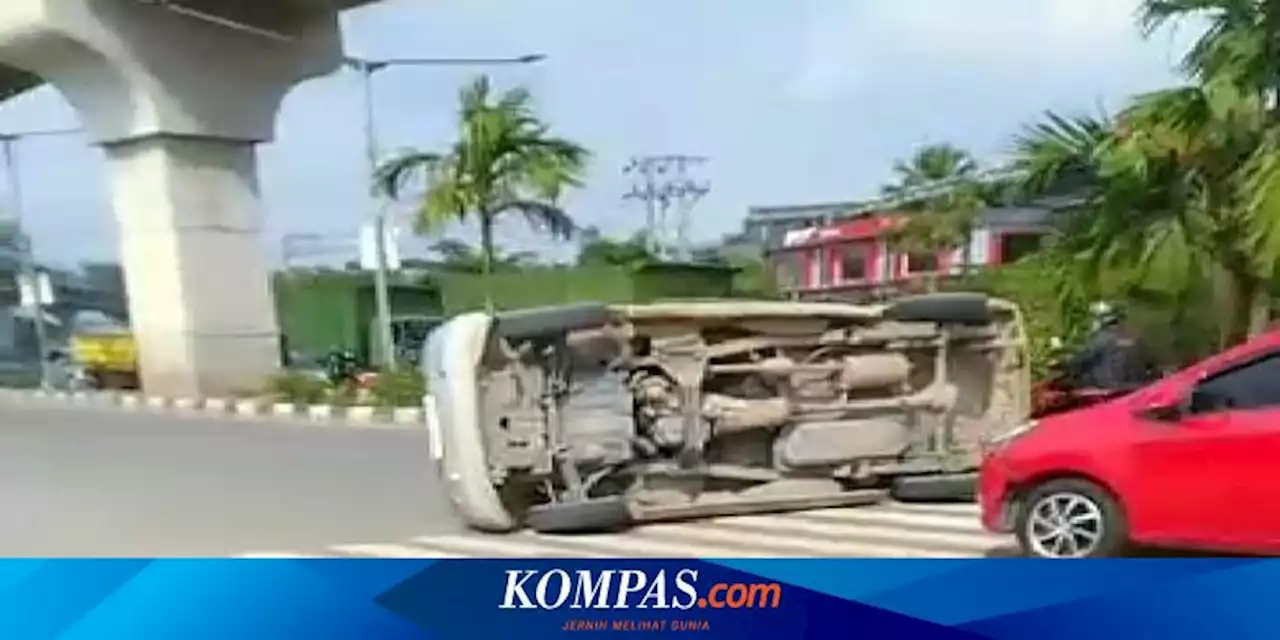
(615, 589)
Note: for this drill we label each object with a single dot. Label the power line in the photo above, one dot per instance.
(663, 183)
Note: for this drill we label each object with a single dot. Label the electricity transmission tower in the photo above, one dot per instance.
(663, 183)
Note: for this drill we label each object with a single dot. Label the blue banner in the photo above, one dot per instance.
(532, 599)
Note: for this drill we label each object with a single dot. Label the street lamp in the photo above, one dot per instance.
(26, 253)
(367, 69)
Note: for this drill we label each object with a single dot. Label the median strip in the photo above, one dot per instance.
(230, 408)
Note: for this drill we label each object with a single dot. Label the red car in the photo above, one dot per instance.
(1189, 462)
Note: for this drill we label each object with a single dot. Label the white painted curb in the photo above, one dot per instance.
(248, 408)
(406, 415)
(258, 408)
(320, 412)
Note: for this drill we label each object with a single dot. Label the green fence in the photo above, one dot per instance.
(319, 311)
(543, 286)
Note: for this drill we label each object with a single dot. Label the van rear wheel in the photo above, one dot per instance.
(591, 515)
(1071, 518)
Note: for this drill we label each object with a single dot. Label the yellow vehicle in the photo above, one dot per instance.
(107, 355)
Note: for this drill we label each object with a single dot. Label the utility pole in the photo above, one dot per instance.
(367, 69)
(686, 193)
(28, 270)
(646, 190)
(663, 183)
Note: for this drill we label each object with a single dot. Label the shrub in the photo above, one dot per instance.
(1053, 306)
(298, 388)
(399, 389)
(344, 395)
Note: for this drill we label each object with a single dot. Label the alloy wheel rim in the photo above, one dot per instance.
(1065, 525)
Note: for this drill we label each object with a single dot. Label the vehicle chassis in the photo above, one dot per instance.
(736, 407)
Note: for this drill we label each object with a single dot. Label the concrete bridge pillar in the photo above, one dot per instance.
(179, 105)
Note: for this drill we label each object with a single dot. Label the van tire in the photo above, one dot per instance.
(593, 515)
(942, 308)
(549, 322)
(950, 487)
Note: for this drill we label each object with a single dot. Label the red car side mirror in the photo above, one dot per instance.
(1165, 412)
(1165, 405)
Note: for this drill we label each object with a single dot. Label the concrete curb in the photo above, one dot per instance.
(230, 408)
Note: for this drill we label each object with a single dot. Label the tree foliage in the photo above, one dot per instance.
(943, 220)
(460, 257)
(1180, 190)
(598, 250)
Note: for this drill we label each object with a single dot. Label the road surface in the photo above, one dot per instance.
(106, 482)
(83, 481)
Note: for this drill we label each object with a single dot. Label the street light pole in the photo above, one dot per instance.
(367, 69)
(381, 295)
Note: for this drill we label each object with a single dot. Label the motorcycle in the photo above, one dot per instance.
(1059, 392)
(342, 368)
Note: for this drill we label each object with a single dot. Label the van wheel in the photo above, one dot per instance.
(544, 322)
(949, 487)
(959, 307)
(593, 515)
(1071, 518)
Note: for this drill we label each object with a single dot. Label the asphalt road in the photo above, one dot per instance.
(83, 481)
(102, 482)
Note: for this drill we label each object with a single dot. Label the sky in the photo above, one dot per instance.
(792, 102)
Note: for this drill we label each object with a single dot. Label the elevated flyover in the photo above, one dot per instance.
(178, 93)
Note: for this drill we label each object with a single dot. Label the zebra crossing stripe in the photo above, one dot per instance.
(730, 542)
(954, 542)
(882, 531)
(381, 550)
(276, 555)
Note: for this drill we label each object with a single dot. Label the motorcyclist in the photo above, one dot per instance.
(1111, 357)
(341, 366)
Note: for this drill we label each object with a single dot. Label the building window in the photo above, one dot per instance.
(922, 262)
(1016, 246)
(853, 264)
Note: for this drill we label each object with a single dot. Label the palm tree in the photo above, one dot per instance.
(504, 161)
(1188, 186)
(1163, 200)
(1237, 46)
(1236, 65)
(943, 219)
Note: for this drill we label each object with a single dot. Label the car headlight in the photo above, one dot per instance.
(1010, 435)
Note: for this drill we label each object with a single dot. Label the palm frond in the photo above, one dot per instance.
(1234, 42)
(391, 178)
(542, 216)
(1261, 210)
(1059, 153)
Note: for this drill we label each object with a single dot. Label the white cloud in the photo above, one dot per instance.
(870, 43)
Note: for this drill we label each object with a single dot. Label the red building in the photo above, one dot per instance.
(853, 256)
